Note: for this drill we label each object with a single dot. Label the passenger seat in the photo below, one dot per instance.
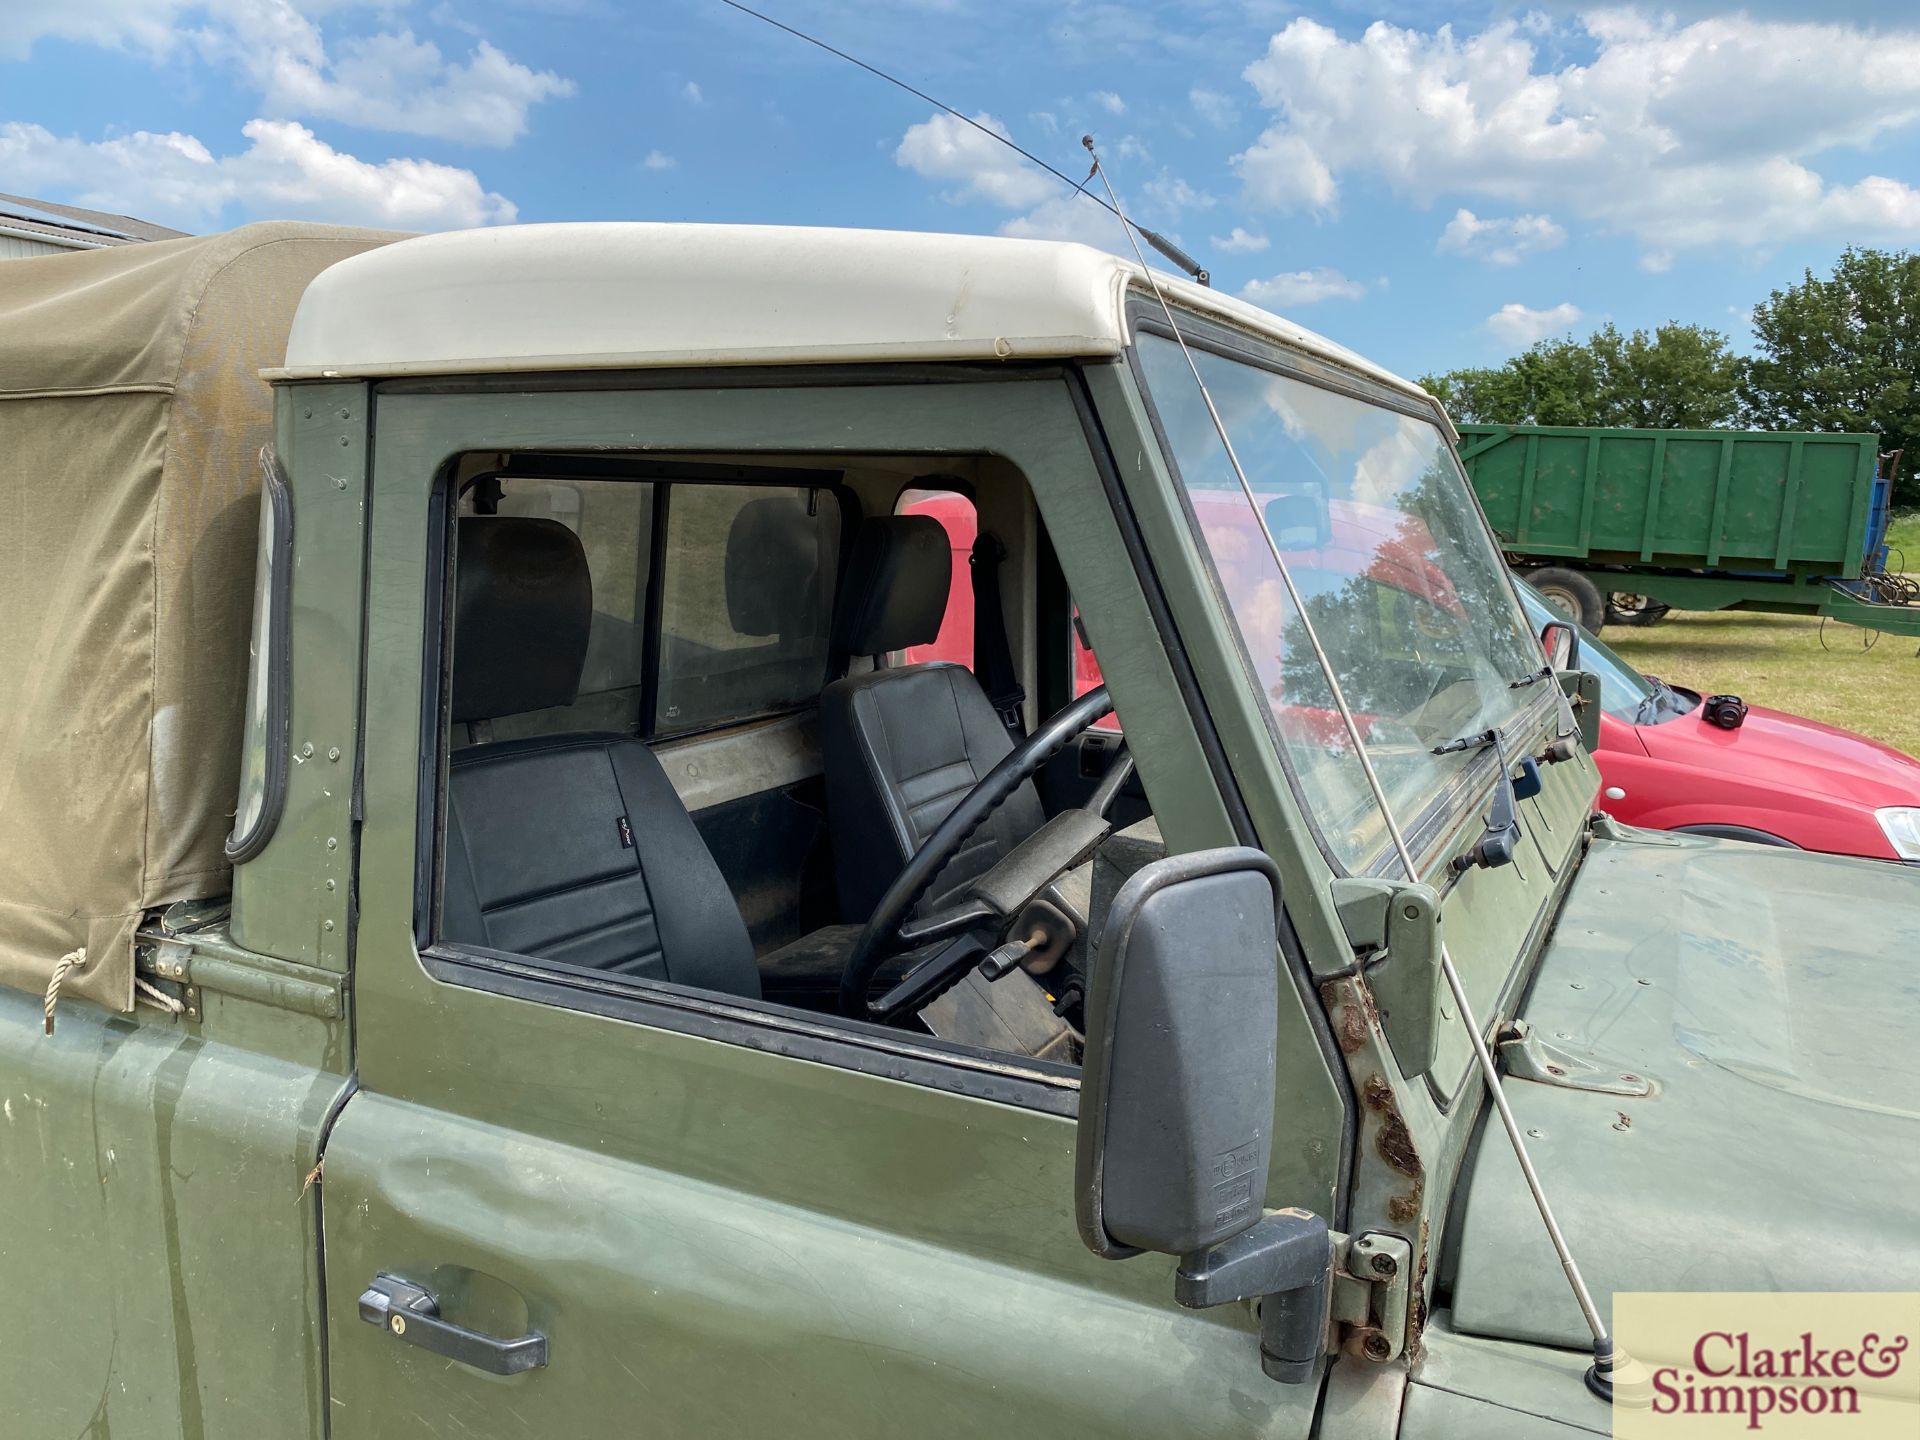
(904, 744)
(572, 848)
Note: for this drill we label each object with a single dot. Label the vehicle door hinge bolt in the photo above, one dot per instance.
(1384, 1265)
(1378, 1347)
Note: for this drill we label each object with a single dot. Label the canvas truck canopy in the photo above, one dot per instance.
(132, 414)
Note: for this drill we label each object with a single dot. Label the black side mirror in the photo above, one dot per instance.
(1177, 1099)
(1562, 644)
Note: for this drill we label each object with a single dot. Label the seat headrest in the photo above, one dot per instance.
(523, 604)
(773, 568)
(895, 592)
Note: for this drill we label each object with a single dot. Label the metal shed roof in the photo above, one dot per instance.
(73, 228)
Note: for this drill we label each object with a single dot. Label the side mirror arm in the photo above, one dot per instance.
(1286, 1262)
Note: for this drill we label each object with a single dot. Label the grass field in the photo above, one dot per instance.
(1779, 661)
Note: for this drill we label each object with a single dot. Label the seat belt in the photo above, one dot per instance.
(992, 655)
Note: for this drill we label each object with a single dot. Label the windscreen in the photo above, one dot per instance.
(1372, 515)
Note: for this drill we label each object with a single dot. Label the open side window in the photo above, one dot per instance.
(647, 692)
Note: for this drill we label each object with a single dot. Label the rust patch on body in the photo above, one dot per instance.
(1394, 1142)
(1405, 1209)
(1353, 1029)
(1417, 1301)
(1350, 1003)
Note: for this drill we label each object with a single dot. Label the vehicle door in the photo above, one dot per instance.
(707, 1215)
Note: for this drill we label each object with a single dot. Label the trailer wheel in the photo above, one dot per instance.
(1626, 608)
(1571, 593)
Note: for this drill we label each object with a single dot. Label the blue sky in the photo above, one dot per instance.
(1432, 185)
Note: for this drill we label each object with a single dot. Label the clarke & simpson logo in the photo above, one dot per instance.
(1782, 1366)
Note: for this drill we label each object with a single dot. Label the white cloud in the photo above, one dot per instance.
(386, 82)
(1172, 196)
(1303, 287)
(284, 172)
(1685, 136)
(391, 80)
(1241, 242)
(1516, 325)
(690, 92)
(1213, 107)
(1506, 240)
(1110, 102)
(658, 160)
(1284, 172)
(149, 25)
(1067, 216)
(942, 147)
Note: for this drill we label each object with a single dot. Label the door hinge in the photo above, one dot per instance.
(1372, 1296)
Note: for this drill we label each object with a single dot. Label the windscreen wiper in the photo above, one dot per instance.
(1545, 672)
(1497, 843)
(1476, 742)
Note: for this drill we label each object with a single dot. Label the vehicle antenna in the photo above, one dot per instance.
(1606, 1357)
(1166, 247)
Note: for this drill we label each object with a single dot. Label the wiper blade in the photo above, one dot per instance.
(1478, 741)
(1545, 672)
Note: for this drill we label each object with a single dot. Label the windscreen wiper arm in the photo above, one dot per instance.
(1479, 740)
(1545, 672)
(1501, 837)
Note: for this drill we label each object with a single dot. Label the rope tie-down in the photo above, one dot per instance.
(69, 962)
(144, 992)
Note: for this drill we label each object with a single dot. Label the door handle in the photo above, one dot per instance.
(409, 1313)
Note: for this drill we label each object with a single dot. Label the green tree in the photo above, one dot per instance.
(1843, 353)
(1681, 377)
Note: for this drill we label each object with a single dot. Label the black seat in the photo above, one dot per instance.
(571, 848)
(903, 745)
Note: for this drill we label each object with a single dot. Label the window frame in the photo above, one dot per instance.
(1435, 820)
(1041, 406)
(974, 1071)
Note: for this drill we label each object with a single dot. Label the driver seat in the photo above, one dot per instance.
(903, 745)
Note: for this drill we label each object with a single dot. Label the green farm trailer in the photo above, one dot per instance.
(1627, 524)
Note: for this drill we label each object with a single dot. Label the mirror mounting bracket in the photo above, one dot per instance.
(1285, 1261)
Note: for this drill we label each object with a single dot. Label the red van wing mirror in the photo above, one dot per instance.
(1562, 644)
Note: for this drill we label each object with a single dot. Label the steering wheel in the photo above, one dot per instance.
(996, 897)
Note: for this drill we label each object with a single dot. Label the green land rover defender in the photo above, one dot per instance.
(500, 937)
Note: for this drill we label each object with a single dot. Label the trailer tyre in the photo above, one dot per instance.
(1625, 608)
(1571, 593)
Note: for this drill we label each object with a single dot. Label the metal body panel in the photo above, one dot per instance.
(712, 1231)
(293, 900)
(160, 1245)
(881, 1258)
(1541, 1387)
(1780, 1146)
(1443, 1415)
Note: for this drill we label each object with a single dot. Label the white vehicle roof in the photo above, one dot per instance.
(623, 295)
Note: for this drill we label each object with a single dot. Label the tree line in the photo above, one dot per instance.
(1839, 352)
